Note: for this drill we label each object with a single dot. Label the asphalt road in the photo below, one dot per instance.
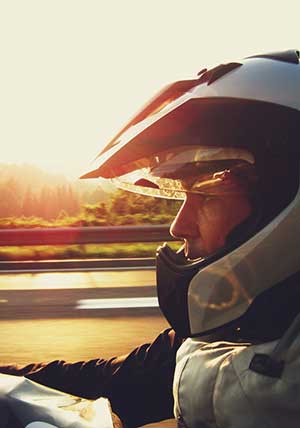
(72, 339)
(116, 278)
(46, 316)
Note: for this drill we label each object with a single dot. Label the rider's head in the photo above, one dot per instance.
(204, 222)
(226, 143)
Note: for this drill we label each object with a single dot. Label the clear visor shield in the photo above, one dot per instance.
(204, 170)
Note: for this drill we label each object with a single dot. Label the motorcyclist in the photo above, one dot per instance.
(226, 143)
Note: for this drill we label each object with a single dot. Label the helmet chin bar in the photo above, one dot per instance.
(174, 273)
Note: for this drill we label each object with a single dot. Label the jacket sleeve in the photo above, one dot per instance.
(138, 385)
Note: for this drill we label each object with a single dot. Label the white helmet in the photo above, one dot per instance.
(244, 117)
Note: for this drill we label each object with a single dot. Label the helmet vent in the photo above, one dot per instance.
(210, 76)
(291, 56)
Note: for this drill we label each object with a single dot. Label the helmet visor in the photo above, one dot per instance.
(205, 170)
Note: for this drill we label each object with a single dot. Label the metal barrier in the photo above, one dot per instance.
(84, 235)
(81, 235)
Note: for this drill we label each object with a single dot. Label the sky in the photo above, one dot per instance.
(74, 71)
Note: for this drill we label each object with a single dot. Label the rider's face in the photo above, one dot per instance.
(205, 222)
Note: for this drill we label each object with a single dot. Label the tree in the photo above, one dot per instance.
(72, 205)
(10, 202)
(29, 204)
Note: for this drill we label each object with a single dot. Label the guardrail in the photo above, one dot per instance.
(84, 235)
(78, 265)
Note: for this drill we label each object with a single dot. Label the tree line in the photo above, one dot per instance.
(64, 206)
(31, 197)
(28, 191)
(46, 203)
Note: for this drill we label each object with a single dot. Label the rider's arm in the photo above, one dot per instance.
(138, 385)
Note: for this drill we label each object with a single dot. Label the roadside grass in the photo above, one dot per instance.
(88, 251)
(85, 220)
(125, 209)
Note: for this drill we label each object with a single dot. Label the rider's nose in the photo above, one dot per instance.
(185, 224)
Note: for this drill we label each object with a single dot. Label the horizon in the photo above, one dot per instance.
(50, 172)
(50, 178)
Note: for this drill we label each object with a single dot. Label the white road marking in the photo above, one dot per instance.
(94, 269)
(130, 302)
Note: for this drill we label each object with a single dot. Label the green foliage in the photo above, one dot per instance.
(31, 198)
(123, 209)
(90, 251)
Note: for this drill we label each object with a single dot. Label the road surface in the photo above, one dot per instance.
(55, 280)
